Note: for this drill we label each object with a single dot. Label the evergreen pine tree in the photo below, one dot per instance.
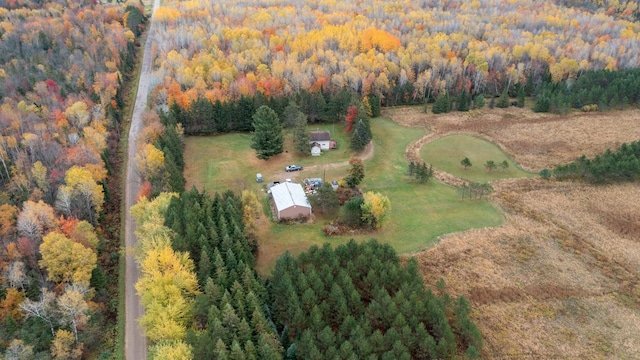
(503, 101)
(412, 168)
(463, 100)
(301, 135)
(267, 137)
(360, 136)
(374, 102)
(478, 101)
(442, 104)
(521, 96)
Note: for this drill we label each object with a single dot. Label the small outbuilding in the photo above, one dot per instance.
(315, 149)
(290, 200)
(321, 139)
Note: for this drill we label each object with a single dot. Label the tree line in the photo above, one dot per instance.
(596, 90)
(204, 117)
(622, 164)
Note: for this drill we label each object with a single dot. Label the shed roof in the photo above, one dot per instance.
(288, 194)
(319, 136)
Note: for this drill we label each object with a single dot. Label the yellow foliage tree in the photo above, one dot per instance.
(63, 346)
(151, 166)
(78, 114)
(39, 174)
(66, 260)
(73, 306)
(83, 184)
(150, 229)
(375, 208)
(167, 286)
(174, 351)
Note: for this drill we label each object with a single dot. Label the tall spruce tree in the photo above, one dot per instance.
(442, 104)
(360, 136)
(521, 96)
(301, 135)
(463, 100)
(267, 136)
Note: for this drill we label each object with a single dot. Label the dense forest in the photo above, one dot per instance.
(358, 302)
(400, 51)
(62, 65)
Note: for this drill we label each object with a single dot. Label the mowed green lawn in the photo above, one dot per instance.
(446, 153)
(419, 212)
(227, 162)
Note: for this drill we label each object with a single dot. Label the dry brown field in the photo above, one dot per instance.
(560, 279)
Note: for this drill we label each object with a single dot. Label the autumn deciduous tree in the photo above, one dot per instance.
(267, 136)
(35, 219)
(18, 350)
(167, 286)
(375, 208)
(250, 213)
(78, 114)
(73, 307)
(10, 305)
(39, 173)
(151, 165)
(352, 114)
(43, 309)
(173, 351)
(64, 346)
(145, 190)
(83, 185)
(8, 217)
(66, 260)
(356, 172)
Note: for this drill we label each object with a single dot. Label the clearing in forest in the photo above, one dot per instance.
(419, 212)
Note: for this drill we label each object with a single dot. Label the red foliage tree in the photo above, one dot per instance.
(145, 190)
(352, 113)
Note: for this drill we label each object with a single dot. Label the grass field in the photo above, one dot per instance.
(220, 163)
(419, 212)
(559, 279)
(446, 153)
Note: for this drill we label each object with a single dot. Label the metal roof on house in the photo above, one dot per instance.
(319, 136)
(288, 194)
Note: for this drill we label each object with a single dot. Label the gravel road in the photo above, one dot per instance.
(135, 343)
